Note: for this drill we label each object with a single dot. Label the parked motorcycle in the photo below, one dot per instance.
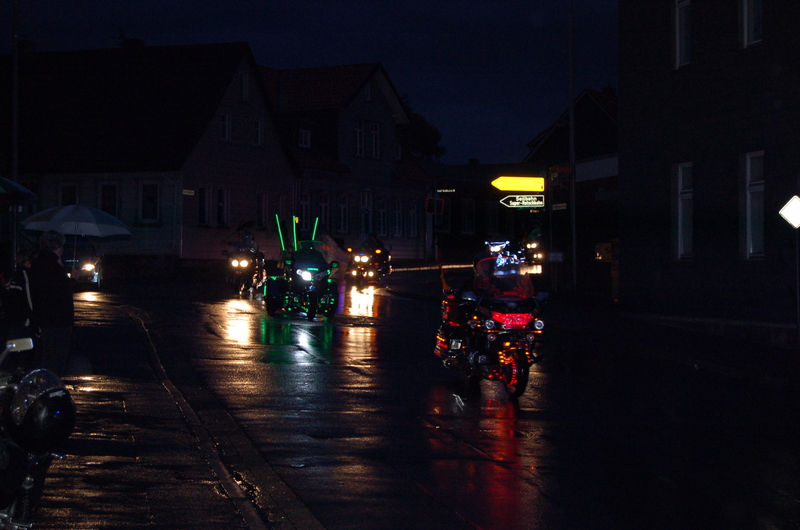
(491, 329)
(38, 415)
(368, 265)
(306, 288)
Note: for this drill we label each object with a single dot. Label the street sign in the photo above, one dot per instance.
(507, 183)
(523, 201)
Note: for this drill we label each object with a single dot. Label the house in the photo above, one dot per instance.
(178, 142)
(339, 127)
(708, 156)
(595, 115)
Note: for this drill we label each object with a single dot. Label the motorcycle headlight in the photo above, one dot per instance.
(88, 267)
(305, 275)
(243, 263)
(234, 263)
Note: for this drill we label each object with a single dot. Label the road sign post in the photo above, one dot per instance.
(791, 212)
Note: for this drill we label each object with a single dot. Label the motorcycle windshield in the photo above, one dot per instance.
(500, 277)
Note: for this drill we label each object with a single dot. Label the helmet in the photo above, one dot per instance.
(42, 414)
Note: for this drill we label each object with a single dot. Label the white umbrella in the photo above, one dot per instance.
(76, 220)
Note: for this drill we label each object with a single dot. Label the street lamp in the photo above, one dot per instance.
(791, 212)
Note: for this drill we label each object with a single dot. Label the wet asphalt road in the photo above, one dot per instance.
(354, 424)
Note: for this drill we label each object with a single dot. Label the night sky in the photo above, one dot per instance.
(489, 74)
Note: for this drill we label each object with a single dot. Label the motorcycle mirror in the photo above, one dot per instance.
(20, 344)
(288, 262)
(334, 264)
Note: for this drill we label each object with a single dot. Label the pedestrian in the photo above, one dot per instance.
(53, 307)
(17, 303)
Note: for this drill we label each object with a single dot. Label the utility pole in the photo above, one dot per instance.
(573, 176)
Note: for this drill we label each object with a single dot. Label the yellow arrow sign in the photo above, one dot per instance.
(507, 183)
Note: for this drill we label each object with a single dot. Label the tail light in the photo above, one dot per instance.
(513, 320)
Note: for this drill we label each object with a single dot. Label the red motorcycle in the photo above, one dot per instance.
(491, 330)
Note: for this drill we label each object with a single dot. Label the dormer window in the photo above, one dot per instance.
(304, 138)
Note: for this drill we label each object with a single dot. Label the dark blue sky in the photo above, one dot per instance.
(489, 74)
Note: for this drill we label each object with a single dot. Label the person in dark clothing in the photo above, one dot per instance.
(53, 307)
(17, 304)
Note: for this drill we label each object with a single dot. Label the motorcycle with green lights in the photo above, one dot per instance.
(306, 285)
(491, 327)
(38, 415)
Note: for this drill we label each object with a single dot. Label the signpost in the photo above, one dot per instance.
(508, 183)
(523, 201)
(791, 212)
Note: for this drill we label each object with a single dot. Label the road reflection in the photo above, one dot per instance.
(361, 302)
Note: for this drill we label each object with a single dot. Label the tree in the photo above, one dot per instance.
(418, 139)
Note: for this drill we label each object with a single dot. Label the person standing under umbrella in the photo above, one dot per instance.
(53, 307)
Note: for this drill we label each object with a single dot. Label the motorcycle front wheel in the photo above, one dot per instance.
(313, 304)
(514, 373)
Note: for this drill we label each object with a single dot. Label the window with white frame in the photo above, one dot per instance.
(359, 137)
(262, 209)
(109, 198)
(411, 225)
(67, 194)
(382, 218)
(683, 50)
(149, 202)
(324, 209)
(366, 211)
(752, 22)
(223, 207)
(204, 205)
(344, 214)
(467, 216)
(305, 211)
(304, 138)
(375, 140)
(225, 128)
(685, 210)
(754, 177)
(258, 132)
(398, 218)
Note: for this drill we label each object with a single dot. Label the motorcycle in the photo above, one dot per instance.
(38, 415)
(307, 288)
(492, 329)
(245, 266)
(368, 265)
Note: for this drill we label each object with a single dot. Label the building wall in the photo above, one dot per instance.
(728, 101)
(245, 170)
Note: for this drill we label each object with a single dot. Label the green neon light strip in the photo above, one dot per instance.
(280, 233)
(314, 233)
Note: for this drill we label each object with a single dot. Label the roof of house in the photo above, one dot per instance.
(593, 110)
(326, 88)
(118, 110)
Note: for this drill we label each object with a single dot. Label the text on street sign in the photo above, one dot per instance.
(523, 201)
